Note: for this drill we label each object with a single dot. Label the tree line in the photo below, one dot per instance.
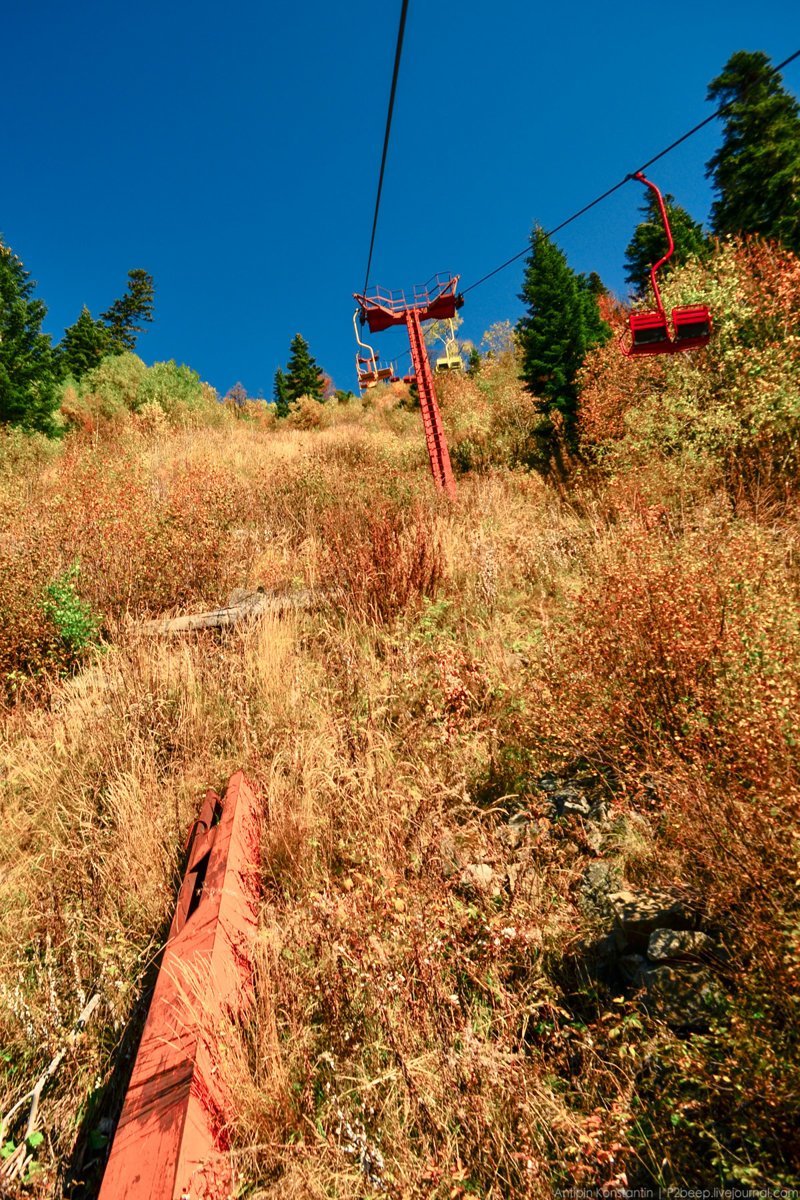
(755, 175)
(32, 369)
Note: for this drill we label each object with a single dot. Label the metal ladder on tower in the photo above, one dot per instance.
(437, 300)
(438, 453)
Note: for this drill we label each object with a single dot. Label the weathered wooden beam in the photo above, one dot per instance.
(252, 604)
(170, 1142)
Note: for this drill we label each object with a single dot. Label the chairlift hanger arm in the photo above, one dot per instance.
(670, 243)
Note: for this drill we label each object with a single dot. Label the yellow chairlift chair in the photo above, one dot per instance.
(451, 360)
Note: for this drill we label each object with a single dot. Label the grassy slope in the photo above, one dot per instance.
(411, 1032)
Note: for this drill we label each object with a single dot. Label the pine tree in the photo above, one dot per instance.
(649, 241)
(303, 376)
(126, 316)
(756, 170)
(83, 345)
(562, 322)
(28, 369)
(592, 290)
(280, 394)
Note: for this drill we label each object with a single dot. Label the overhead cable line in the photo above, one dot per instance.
(397, 56)
(610, 191)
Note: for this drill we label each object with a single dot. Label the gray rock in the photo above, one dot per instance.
(683, 998)
(549, 783)
(581, 795)
(633, 968)
(637, 914)
(594, 837)
(479, 878)
(570, 800)
(671, 945)
(516, 829)
(598, 880)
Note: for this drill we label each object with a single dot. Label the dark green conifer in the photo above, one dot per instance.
(303, 376)
(562, 322)
(280, 394)
(756, 170)
(83, 345)
(127, 316)
(28, 369)
(649, 241)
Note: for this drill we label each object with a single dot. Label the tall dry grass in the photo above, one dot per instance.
(419, 1029)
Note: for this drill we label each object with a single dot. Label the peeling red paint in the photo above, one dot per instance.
(171, 1141)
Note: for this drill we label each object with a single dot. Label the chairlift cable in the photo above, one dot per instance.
(395, 73)
(604, 196)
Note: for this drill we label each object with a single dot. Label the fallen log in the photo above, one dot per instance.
(241, 606)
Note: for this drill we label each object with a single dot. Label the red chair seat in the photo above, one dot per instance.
(692, 326)
(649, 333)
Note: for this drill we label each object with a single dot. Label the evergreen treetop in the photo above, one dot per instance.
(756, 170)
(303, 376)
(280, 394)
(83, 345)
(649, 241)
(28, 369)
(561, 323)
(126, 317)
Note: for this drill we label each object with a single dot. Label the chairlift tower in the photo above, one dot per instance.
(438, 299)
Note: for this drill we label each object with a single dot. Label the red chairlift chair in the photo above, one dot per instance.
(691, 323)
(368, 368)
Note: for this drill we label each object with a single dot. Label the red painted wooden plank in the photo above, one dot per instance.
(170, 1142)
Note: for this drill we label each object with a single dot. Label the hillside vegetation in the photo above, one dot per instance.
(505, 712)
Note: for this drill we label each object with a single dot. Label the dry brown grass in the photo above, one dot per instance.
(411, 1033)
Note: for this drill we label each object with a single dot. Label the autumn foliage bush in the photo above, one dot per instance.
(491, 421)
(435, 1010)
(121, 388)
(383, 562)
(732, 408)
(134, 540)
(676, 673)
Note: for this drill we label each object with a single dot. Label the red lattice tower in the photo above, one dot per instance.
(437, 300)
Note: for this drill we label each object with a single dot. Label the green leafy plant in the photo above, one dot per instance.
(76, 624)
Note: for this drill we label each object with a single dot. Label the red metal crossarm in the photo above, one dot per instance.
(170, 1142)
(436, 300)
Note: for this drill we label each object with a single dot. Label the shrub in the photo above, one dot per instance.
(258, 412)
(493, 421)
(47, 628)
(307, 413)
(381, 562)
(75, 623)
(115, 383)
(151, 418)
(676, 672)
(21, 452)
(733, 407)
(177, 389)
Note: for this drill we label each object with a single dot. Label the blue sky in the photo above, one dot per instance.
(232, 151)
